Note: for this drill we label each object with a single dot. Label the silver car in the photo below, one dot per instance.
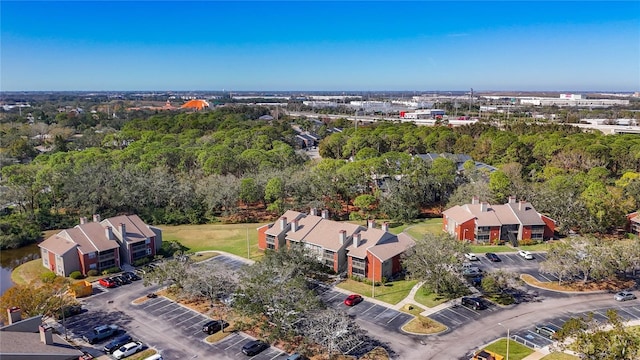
(624, 296)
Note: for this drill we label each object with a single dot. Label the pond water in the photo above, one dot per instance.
(10, 259)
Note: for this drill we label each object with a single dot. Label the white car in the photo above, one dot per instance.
(525, 254)
(471, 256)
(128, 350)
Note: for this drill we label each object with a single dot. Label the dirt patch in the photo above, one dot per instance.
(140, 300)
(606, 285)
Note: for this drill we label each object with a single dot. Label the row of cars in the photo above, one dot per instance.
(122, 344)
(495, 258)
(119, 280)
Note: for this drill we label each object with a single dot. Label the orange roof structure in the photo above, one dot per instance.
(195, 104)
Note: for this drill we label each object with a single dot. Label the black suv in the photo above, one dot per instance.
(214, 326)
(474, 303)
(254, 347)
(116, 343)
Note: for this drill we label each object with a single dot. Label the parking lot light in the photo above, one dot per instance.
(507, 339)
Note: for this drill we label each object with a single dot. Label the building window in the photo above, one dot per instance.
(92, 255)
(271, 246)
(147, 241)
(45, 261)
(44, 252)
(93, 266)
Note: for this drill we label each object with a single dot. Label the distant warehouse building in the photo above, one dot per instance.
(571, 100)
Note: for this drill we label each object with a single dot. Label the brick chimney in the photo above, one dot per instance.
(512, 199)
(325, 214)
(283, 223)
(356, 240)
(385, 226)
(484, 206)
(14, 314)
(96, 217)
(313, 211)
(371, 223)
(475, 200)
(46, 334)
(123, 231)
(342, 236)
(83, 220)
(108, 232)
(294, 225)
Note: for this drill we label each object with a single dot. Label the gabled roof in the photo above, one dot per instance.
(58, 244)
(383, 245)
(136, 229)
(326, 233)
(459, 214)
(91, 237)
(392, 246)
(524, 211)
(290, 215)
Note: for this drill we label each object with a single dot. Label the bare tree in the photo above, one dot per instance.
(334, 330)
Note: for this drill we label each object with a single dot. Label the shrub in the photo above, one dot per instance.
(92, 272)
(76, 275)
(111, 270)
(143, 261)
(48, 276)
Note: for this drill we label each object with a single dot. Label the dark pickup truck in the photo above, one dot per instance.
(100, 333)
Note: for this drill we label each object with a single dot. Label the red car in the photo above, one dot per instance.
(353, 300)
(107, 282)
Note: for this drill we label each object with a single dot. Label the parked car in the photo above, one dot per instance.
(214, 326)
(525, 254)
(550, 331)
(254, 347)
(117, 343)
(107, 282)
(100, 333)
(624, 296)
(471, 257)
(117, 280)
(123, 279)
(353, 299)
(474, 303)
(128, 350)
(131, 276)
(492, 257)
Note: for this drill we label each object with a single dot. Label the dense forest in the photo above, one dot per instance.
(225, 165)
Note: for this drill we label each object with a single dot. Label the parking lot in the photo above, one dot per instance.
(529, 337)
(458, 315)
(389, 319)
(516, 263)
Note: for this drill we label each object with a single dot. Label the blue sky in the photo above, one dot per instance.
(306, 45)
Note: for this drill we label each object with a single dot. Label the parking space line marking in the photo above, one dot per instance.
(176, 316)
(278, 354)
(369, 308)
(463, 315)
(185, 320)
(236, 343)
(393, 318)
(624, 309)
(540, 336)
(331, 298)
(164, 306)
(455, 321)
(385, 310)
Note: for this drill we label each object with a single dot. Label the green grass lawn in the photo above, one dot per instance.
(231, 238)
(481, 249)
(31, 270)
(560, 356)
(517, 351)
(427, 298)
(391, 292)
(418, 229)
(537, 247)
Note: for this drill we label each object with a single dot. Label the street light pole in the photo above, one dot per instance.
(507, 339)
